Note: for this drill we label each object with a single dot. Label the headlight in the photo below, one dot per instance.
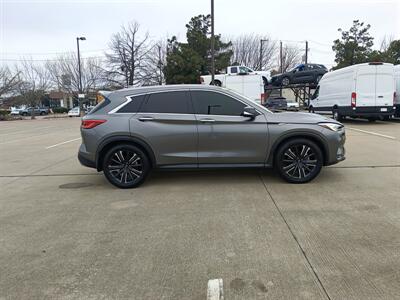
(332, 126)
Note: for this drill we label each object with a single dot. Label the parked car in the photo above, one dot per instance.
(276, 103)
(15, 112)
(36, 110)
(74, 112)
(220, 79)
(193, 126)
(292, 105)
(397, 95)
(364, 91)
(303, 73)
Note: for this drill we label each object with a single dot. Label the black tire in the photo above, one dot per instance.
(285, 81)
(311, 110)
(299, 160)
(24, 114)
(336, 115)
(126, 166)
(371, 119)
(216, 83)
(42, 113)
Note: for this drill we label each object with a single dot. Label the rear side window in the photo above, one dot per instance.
(100, 105)
(133, 106)
(233, 69)
(212, 103)
(167, 102)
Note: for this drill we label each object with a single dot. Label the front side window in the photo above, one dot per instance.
(167, 102)
(212, 103)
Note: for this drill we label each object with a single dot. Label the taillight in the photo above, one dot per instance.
(88, 124)
(394, 98)
(353, 99)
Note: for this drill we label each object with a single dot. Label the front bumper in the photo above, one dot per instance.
(337, 151)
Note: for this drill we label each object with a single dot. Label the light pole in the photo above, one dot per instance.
(261, 52)
(212, 43)
(82, 38)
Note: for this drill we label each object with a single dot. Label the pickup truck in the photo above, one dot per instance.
(36, 111)
(220, 79)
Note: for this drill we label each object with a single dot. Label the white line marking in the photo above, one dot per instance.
(52, 146)
(372, 133)
(215, 289)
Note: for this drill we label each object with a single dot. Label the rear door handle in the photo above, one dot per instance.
(145, 119)
(207, 120)
(380, 96)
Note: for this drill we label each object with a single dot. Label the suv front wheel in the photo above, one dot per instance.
(299, 160)
(126, 166)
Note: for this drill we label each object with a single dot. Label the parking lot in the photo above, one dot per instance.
(66, 233)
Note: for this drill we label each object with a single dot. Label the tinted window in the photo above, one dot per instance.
(99, 106)
(167, 102)
(133, 106)
(234, 70)
(212, 103)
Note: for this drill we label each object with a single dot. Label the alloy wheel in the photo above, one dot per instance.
(299, 161)
(125, 166)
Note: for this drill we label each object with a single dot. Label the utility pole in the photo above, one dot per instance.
(212, 43)
(82, 38)
(261, 53)
(306, 56)
(281, 59)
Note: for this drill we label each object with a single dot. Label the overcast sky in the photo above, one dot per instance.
(40, 29)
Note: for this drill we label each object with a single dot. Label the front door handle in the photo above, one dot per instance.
(207, 120)
(144, 119)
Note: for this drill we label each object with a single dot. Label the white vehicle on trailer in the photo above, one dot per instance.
(220, 79)
(364, 91)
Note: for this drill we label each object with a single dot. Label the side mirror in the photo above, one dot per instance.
(249, 112)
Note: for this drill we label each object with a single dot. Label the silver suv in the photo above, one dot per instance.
(194, 126)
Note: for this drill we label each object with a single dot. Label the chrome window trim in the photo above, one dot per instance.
(129, 99)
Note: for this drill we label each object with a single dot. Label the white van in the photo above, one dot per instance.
(363, 90)
(397, 97)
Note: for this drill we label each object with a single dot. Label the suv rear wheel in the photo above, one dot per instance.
(299, 160)
(126, 166)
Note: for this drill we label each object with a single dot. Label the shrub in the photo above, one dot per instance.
(59, 110)
(4, 112)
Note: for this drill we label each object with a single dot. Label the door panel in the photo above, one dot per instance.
(385, 86)
(366, 86)
(166, 122)
(173, 137)
(231, 139)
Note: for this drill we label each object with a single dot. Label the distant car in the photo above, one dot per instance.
(15, 112)
(74, 112)
(303, 73)
(36, 110)
(292, 105)
(277, 103)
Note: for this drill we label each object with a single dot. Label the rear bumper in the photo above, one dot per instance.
(368, 111)
(84, 158)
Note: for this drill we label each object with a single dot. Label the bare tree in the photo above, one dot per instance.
(128, 54)
(246, 51)
(156, 59)
(291, 56)
(64, 73)
(8, 81)
(385, 43)
(35, 81)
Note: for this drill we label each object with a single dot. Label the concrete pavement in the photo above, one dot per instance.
(65, 233)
